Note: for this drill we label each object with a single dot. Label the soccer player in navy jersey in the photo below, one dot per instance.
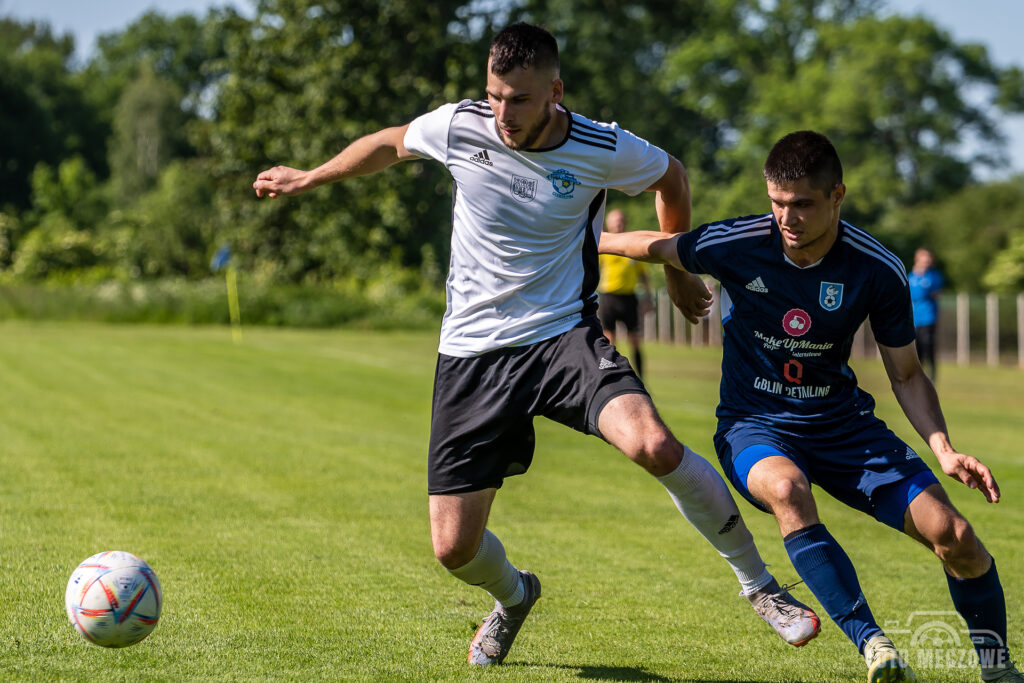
(520, 337)
(797, 284)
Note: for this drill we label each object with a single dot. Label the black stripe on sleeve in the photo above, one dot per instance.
(591, 131)
(592, 143)
(478, 108)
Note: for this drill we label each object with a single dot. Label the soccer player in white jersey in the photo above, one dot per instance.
(798, 282)
(520, 337)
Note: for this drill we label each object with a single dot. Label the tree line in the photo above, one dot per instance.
(137, 164)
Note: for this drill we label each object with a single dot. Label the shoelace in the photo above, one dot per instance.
(496, 627)
(877, 651)
(775, 601)
(790, 612)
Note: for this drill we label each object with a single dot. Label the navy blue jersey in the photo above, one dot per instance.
(787, 330)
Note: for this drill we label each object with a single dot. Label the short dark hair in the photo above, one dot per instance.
(804, 154)
(523, 45)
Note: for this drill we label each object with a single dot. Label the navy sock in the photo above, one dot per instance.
(828, 572)
(981, 603)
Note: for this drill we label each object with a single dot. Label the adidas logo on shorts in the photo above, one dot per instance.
(605, 364)
(756, 285)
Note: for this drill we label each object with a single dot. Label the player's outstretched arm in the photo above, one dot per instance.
(642, 245)
(672, 201)
(920, 403)
(368, 154)
(687, 291)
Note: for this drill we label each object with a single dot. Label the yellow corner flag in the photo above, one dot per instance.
(222, 260)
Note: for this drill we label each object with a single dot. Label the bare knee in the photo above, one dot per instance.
(452, 554)
(787, 492)
(792, 503)
(630, 423)
(657, 451)
(457, 524)
(959, 548)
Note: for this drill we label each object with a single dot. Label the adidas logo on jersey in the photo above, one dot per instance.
(756, 285)
(605, 364)
(482, 157)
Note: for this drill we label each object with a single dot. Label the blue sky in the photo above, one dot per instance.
(994, 23)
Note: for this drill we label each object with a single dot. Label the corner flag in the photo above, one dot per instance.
(222, 261)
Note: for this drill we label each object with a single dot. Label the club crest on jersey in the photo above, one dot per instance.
(523, 189)
(831, 296)
(564, 183)
(796, 322)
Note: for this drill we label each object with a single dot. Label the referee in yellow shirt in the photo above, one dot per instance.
(618, 297)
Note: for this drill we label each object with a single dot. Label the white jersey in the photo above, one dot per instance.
(525, 223)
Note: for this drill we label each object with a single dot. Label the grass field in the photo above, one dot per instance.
(277, 487)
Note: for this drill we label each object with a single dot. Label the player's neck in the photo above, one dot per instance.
(812, 252)
(556, 129)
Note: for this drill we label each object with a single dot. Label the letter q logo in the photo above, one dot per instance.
(796, 322)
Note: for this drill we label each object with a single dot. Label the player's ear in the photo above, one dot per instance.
(838, 193)
(556, 91)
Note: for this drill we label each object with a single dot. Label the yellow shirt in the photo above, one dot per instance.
(619, 275)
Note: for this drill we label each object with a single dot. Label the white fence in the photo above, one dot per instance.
(972, 328)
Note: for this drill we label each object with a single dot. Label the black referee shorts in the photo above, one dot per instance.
(481, 429)
(613, 308)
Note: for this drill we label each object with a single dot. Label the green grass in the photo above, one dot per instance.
(277, 487)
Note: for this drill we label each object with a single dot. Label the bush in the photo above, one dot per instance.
(205, 302)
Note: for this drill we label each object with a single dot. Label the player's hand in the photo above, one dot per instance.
(972, 473)
(689, 293)
(280, 180)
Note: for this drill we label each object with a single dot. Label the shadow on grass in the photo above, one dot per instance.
(618, 673)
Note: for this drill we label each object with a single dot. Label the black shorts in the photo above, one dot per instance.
(613, 308)
(481, 429)
(926, 343)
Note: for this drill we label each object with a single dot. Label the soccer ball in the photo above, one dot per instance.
(113, 599)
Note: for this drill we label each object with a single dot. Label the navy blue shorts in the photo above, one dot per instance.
(863, 464)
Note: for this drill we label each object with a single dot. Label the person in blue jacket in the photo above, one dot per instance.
(926, 282)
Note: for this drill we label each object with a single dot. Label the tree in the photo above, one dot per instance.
(966, 230)
(1006, 274)
(45, 116)
(178, 49)
(613, 62)
(67, 205)
(307, 78)
(148, 133)
(892, 94)
(169, 231)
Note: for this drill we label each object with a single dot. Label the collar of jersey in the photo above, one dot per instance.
(778, 230)
(568, 130)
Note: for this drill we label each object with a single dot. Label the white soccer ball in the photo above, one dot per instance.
(113, 599)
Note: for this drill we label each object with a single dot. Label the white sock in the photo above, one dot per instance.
(702, 496)
(492, 571)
